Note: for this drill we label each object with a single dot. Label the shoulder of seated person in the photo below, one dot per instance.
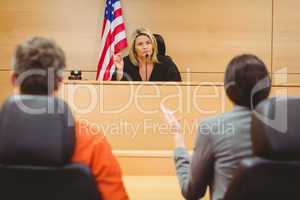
(128, 62)
(126, 58)
(165, 61)
(221, 118)
(162, 58)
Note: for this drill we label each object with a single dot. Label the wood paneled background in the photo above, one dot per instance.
(201, 36)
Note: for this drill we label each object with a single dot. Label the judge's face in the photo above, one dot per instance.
(143, 46)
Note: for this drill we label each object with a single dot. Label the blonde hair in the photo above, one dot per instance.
(132, 53)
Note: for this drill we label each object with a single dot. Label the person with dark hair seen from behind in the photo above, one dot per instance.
(39, 59)
(224, 140)
(144, 63)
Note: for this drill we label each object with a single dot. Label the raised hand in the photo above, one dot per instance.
(175, 126)
(118, 61)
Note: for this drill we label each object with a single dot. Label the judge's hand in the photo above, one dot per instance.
(175, 126)
(118, 61)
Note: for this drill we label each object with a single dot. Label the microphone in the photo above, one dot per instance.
(147, 56)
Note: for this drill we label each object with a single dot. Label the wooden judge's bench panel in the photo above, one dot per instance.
(129, 114)
(130, 117)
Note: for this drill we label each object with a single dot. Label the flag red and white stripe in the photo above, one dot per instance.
(113, 39)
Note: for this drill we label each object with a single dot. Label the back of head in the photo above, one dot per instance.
(38, 65)
(247, 81)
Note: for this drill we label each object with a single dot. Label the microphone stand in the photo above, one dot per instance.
(147, 66)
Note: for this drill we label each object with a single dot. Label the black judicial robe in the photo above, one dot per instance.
(165, 70)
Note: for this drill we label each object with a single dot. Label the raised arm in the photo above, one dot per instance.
(119, 63)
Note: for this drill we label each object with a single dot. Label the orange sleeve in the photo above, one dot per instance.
(93, 150)
(108, 173)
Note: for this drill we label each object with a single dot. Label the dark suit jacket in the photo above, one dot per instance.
(165, 70)
(222, 142)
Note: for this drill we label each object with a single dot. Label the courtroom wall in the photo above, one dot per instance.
(201, 35)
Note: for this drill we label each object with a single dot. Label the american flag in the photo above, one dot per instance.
(113, 39)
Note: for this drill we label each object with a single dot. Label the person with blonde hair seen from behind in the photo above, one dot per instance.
(224, 140)
(91, 148)
(143, 62)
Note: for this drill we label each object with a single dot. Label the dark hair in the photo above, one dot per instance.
(247, 81)
(161, 47)
(38, 64)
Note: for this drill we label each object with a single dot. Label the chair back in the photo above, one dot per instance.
(37, 138)
(274, 171)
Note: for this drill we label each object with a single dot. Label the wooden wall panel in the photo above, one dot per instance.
(286, 36)
(75, 25)
(202, 35)
(282, 79)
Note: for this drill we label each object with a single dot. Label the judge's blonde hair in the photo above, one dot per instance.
(132, 52)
